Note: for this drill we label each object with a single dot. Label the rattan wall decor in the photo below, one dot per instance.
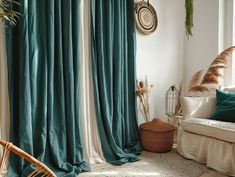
(146, 17)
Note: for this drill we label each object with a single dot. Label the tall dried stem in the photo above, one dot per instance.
(143, 92)
(201, 83)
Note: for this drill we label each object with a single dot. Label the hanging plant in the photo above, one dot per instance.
(7, 13)
(189, 17)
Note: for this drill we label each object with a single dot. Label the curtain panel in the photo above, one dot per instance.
(44, 66)
(113, 62)
(4, 96)
(92, 149)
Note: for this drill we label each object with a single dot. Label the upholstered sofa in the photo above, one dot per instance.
(206, 141)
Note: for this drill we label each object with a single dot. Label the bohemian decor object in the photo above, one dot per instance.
(7, 13)
(40, 169)
(157, 136)
(143, 92)
(171, 101)
(146, 17)
(189, 17)
(202, 83)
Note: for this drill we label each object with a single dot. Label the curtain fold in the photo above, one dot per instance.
(4, 96)
(44, 66)
(113, 61)
(91, 140)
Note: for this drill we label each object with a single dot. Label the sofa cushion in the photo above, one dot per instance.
(229, 89)
(225, 107)
(200, 107)
(212, 128)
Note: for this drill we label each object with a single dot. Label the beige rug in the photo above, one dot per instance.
(169, 164)
(211, 173)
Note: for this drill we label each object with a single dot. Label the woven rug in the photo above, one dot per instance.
(169, 164)
(211, 173)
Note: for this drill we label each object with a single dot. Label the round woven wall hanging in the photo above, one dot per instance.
(146, 17)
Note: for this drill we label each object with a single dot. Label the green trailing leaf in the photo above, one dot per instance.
(7, 13)
(189, 17)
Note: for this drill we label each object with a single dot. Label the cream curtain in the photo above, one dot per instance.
(4, 98)
(91, 140)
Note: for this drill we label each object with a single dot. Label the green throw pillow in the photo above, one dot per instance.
(225, 107)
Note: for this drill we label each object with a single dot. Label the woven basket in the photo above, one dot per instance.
(157, 136)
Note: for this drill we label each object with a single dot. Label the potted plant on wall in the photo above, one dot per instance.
(189, 17)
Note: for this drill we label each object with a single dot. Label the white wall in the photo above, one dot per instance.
(229, 39)
(167, 56)
(160, 54)
(212, 33)
(202, 48)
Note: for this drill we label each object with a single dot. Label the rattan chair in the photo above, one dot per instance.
(41, 169)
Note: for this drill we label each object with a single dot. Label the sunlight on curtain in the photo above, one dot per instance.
(44, 50)
(114, 79)
(91, 140)
(4, 98)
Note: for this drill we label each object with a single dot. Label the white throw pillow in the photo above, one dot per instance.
(229, 89)
(198, 107)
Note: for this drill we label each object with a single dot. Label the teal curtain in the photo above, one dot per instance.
(43, 61)
(113, 61)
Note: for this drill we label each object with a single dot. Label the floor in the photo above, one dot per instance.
(169, 164)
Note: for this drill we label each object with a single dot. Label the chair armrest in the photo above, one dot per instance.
(198, 107)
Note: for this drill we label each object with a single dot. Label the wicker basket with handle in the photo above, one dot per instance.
(157, 136)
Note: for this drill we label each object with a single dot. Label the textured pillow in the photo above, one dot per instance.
(225, 107)
(229, 89)
(198, 107)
